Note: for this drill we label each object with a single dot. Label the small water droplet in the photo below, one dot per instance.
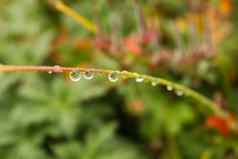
(50, 72)
(88, 75)
(57, 68)
(154, 83)
(169, 88)
(75, 76)
(113, 76)
(139, 79)
(179, 93)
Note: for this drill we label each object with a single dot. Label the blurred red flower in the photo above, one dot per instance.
(219, 124)
(224, 125)
(132, 44)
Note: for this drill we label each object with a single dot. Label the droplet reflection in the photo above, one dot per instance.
(169, 88)
(88, 75)
(75, 76)
(139, 79)
(113, 76)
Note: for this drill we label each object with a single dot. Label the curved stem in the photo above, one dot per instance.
(123, 74)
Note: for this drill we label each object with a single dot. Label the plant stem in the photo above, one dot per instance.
(125, 75)
(87, 24)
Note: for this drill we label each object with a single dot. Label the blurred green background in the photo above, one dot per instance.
(191, 42)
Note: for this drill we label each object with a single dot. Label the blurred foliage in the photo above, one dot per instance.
(192, 42)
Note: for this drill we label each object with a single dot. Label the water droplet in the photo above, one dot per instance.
(113, 76)
(75, 76)
(179, 93)
(169, 88)
(154, 83)
(88, 75)
(57, 68)
(139, 79)
(50, 72)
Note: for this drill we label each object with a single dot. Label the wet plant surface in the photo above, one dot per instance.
(118, 79)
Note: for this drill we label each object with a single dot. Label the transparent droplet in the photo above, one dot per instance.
(169, 88)
(154, 83)
(179, 93)
(113, 76)
(139, 79)
(75, 76)
(50, 72)
(57, 68)
(88, 75)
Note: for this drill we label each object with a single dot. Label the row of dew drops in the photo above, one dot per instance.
(76, 76)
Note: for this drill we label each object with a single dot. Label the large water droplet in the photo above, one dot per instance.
(139, 79)
(113, 76)
(88, 75)
(75, 76)
(179, 93)
(169, 88)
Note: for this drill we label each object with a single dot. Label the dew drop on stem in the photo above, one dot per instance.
(169, 88)
(179, 93)
(57, 69)
(113, 76)
(75, 76)
(154, 83)
(139, 79)
(88, 75)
